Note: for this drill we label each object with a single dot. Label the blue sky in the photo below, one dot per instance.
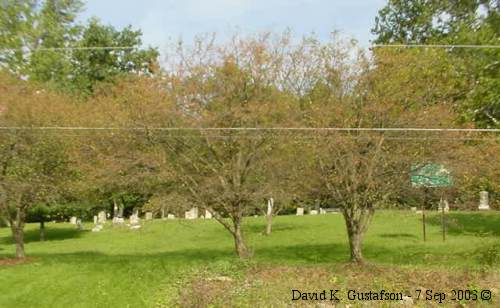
(164, 20)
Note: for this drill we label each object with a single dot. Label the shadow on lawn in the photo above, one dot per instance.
(307, 254)
(398, 235)
(51, 234)
(470, 223)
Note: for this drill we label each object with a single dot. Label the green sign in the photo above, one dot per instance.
(430, 175)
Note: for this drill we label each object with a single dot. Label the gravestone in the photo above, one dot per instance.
(192, 214)
(322, 211)
(413, 208)
(483, 201)
(95, 220)
(300, 211)
(101, 217)
(313, 212)
(134, 219)
(73, 220)
(170, 216)
(149, 216)
(208, 214)
(118, 221)
(97, 228)
(270, 205)
(446, 206)
(79, 224)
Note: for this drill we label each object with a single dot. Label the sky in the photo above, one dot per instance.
(164, 21)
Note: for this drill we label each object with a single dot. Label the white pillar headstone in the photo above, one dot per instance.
(208, 214)
(300, 211)
(101, 217)
(192, 213)
(134, 219)
(95, 220)
(270, 204)
(483, 201)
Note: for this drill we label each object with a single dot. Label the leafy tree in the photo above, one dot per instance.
(34, 167)
(475, 22)
(31, 28)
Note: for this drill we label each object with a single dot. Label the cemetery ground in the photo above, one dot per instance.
(192, 263)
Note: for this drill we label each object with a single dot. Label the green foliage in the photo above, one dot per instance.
(28, 25)
(474, 22)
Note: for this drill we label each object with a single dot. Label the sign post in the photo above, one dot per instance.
(431, 175)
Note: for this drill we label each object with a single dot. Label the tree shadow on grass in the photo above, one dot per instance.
(51, 234)
(397, 235)
(470, 223)
(308, 254)
(276, 227)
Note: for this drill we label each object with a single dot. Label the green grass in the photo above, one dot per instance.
(134, 268)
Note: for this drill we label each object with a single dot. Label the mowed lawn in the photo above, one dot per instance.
(118, 267)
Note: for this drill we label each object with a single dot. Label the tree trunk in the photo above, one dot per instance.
(241, 248)
(42, 230)
(357, 221)
(355, 241)
(269, 225)
(17, 226)
(19, 237)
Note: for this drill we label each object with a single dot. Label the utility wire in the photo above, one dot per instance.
(70, 48)
(433, 46)
(131, 47)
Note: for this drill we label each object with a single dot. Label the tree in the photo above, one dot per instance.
(475, 22)
(235, 85)
(30, 30)
(34, 167)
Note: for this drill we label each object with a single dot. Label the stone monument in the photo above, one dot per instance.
(483, 201)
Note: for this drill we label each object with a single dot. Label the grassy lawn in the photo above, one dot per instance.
(191, 263)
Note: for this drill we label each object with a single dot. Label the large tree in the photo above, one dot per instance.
(35, 166)
(34, 36)
(471, 22)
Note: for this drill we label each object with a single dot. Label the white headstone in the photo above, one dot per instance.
(170, 216)
(149, 216)
(101, 217)
(73, 220)
(118, 221)
(270, 204)
(208, 214)
(446, 205)
(97, 228)
(322, 211)
(313, 212)
(79, 224)
(192, 213)
(95, 220)
(134, 219)
(300, 211)
(483, 201)
(413, 208)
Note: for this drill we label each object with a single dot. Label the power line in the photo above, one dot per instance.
(433, 46)
(341, 129)
(71, 48)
